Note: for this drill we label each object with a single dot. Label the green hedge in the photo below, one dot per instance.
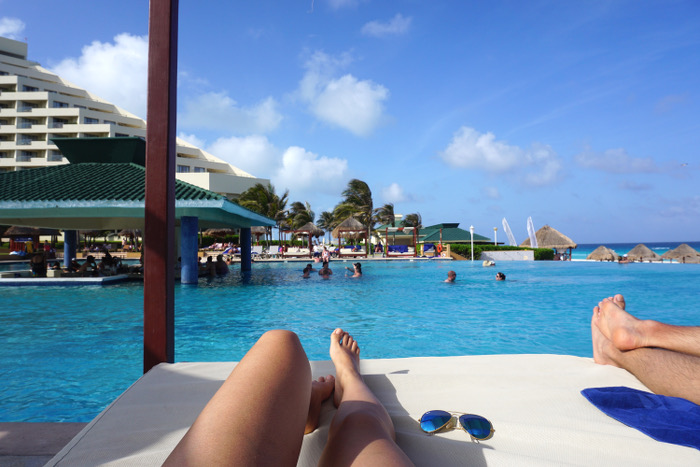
(540, 254)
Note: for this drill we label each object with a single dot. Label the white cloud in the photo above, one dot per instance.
(470, 149)
(295, 168)
(634, 186)
(192, 139)
(254, 154)
(217, 111)
(684, 208)
(542, 165)
(492, 192)
(116, 72)
(346, 102)
(398, 25)
(11, 28)
(615, 161)
(303, 171)
(394, 194)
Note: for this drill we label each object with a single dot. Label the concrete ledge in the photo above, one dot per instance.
(63, 280)
(508, 255)
(34, 443)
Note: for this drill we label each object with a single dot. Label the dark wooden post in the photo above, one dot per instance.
(159, 241)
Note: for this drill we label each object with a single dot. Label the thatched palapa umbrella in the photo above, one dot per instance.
(351, 228)
(548, 237)
(602, 253)
(642, 253)
(258, 231)
(683, 253)
(312, 231)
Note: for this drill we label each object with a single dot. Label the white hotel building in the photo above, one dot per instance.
(37, 105)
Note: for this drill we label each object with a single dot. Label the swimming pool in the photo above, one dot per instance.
(67, 352)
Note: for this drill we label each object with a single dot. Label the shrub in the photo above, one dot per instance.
(541, 254)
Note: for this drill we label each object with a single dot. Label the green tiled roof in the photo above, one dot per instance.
(90, 181)
(105, 196)
(449, 235)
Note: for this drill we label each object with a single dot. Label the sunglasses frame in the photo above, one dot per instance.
(454, 421)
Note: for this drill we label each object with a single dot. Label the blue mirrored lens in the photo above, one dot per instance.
(434, 420)
(477, 426)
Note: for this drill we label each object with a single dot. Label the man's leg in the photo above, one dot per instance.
(258, 416)
(663, 371)
(627, 332)
(361, 430)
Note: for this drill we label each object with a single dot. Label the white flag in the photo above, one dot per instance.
(509, 234)
(531, 232)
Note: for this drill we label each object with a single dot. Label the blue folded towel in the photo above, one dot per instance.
(668, 419)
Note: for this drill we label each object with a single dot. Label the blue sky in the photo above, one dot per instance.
(584, 115)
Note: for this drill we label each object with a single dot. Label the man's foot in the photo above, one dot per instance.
(620, 327)
(321, 390)
(603, 349)
(345, 354)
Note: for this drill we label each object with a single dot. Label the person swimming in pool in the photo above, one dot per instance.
(325, 271)
(272, 383)
(356, 270)
(666, 358)
(307, 271)
(451, 276)
(501, 277)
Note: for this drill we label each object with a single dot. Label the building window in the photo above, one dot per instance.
(54, 156)
(59, 105)
(200, 169)
(91, 121)
(183, 169)
(26, 88)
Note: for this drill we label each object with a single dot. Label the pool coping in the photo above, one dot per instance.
(29, 444)
(42, 281)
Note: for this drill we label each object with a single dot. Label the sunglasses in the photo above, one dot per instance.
(477, 426)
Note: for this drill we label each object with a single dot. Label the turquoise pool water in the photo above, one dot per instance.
(65, 353)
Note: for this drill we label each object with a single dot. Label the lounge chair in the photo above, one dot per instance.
(533, 401)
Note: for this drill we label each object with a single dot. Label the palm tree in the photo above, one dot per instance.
(413, 220)
(263, 200)
(327, 222)
(300, 214)
(358, 204)
(385, 214)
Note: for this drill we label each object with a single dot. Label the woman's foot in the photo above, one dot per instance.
(321, 390)
(345, 354)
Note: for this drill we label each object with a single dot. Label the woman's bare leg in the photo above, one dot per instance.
(361, 432)
(627, 332)
(260, 413)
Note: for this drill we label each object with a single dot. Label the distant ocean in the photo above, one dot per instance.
(584, 249)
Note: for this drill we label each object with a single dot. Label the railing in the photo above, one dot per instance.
(25, 109)
(24, 142)
(24, 125)
(56, 125)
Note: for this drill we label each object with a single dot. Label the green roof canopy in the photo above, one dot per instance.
(119, 149)
(106, 195)
(450, 234)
